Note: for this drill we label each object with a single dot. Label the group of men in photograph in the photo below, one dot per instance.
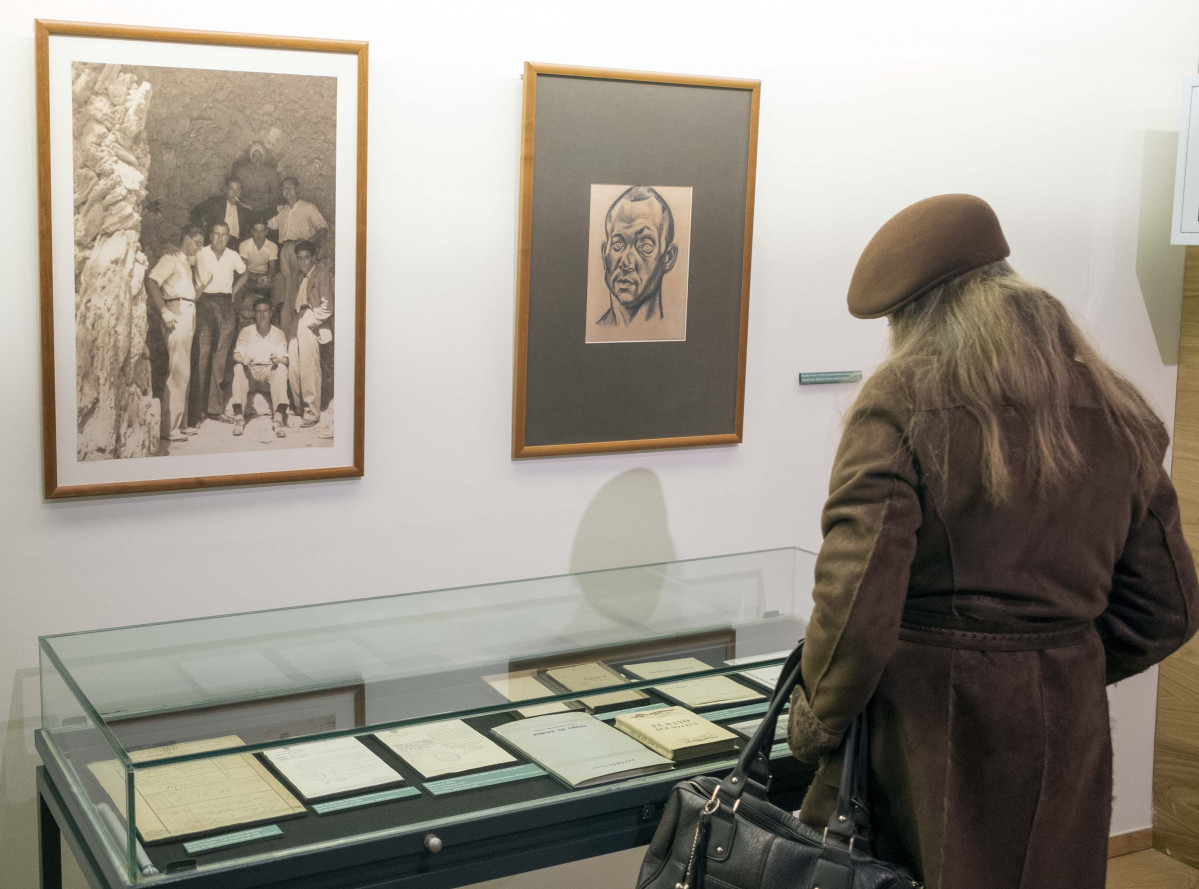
(245, 306)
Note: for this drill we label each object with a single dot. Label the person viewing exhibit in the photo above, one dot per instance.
(1001, 541)
(526, 513)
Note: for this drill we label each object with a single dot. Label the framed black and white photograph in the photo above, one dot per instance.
(635, 236)
(202, 220)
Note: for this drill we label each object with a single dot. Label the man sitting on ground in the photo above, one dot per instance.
(260, 364)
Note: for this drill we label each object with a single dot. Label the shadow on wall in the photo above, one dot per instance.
(625, 524)
(1160, 263)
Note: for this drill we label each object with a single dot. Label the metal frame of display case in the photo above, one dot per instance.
(443, 848)
(470, 851)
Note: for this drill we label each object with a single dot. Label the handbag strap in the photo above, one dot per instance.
(734, 783)
(850, 820)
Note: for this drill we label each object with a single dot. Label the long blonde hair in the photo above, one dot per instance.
(992, 343)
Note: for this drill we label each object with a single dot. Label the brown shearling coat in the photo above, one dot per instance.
(981, 637)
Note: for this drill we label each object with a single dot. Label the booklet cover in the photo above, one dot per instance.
(581, 677)
(580, 750)
(708, 691)
(676, 733)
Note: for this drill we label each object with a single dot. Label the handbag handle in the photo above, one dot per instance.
(850, 820)
(734, 783)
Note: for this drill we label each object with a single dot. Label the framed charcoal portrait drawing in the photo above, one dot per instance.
(202, 221)
(636, 226)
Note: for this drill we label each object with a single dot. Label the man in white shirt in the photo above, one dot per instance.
(261, 258)
(171, 288)
(220, 276)
(297, 220)
(260, 364)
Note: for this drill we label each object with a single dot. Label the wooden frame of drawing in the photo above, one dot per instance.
(636, 228)
(155, 146)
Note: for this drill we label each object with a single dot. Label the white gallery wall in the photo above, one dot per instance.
(1062, 115)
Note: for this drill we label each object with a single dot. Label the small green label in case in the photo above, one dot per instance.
(608, 717)
(353, 802)
(483, 779)
(232, 839)
(830, 376)
(734, 712)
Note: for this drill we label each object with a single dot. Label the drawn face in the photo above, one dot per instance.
(306, 261)
(262, 317)
(291, 194)
(220, 237)
(635, 258)
(233, 191)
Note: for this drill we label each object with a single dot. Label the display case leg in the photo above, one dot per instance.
(49, 843)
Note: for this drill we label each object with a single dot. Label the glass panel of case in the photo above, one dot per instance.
(167, 718)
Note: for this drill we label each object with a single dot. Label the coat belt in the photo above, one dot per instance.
(1014, 637)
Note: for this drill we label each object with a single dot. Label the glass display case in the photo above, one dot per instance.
(451, 735)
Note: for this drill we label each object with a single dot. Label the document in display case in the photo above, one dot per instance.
(199, 795)
(318, 769)
(392, 732)
(443, 748)
(580, 750)
(583, 677)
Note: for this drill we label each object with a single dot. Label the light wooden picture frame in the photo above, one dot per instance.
(191, 184)
(633, 266)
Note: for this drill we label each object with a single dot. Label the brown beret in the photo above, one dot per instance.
(921, 246)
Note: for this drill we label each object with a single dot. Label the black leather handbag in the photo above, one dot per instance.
(728, 835)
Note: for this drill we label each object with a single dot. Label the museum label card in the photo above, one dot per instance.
(524, 686)
(581, 677)
(676, 733)
(329, 768)
(444, 748)
(580, 750)
(735, 712)
(198, 796)
(484, 779)
(208, 844)
(370, 799)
